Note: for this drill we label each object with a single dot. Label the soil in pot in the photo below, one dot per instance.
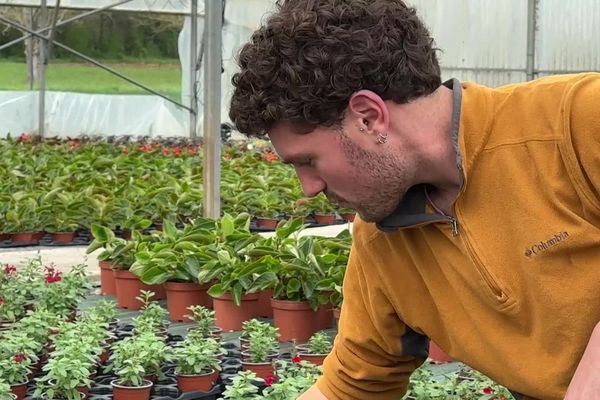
(229, 316)
(181, 295)
(202, 383)
(121, 392)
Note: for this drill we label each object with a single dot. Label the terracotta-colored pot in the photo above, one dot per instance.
(262, 370)
(63, 237)
(107, 279)
(181, 295)
(19, 390)
(229, 316)
(348, 217)
(128, 287)
(131, 393)
(325, 219)
(103, 358)
(201, 383)
(270, 223)
(38, 235)
(438, 355)
(83, 390)
(23, 237)
(316, 359)
(295, 320)
(264, 304)
(324, 317)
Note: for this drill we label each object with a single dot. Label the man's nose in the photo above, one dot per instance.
(311, 183)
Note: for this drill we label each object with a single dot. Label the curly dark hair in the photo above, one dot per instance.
(310, 56)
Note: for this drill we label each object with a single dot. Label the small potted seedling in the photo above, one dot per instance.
(242, 387)
(259, 357)
(317, 348)
(204, 323)
(197, 365)
(66, 378)
(127, 362)
(14, 370)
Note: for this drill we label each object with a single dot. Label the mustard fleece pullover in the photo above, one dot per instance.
(514, 289)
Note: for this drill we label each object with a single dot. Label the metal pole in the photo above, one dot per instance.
(212, 108)
(29, 46)
(42, 73)
(193, 71)
(91, 60)
(531, 28)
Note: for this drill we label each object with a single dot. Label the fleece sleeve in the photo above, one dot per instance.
(374, 352)
(584, 124)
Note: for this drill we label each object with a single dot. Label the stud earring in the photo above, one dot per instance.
(361, 130)
(382, 137)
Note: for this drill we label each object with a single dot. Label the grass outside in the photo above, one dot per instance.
(165, 78)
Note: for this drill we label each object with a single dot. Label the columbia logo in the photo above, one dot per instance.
(543, 246)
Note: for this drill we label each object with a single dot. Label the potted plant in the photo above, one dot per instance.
(197, 365)
(242, 387)
(14, 371)
(22, 220)
(262, 350)
(317, 348)
(67, 377)
(127, 361)
(255, 327)
(322, 210)
(204, 323)
(175, 261)
(291, 380)
(64, 212)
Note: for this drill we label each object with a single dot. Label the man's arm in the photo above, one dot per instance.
(312, 394)
(585, 384)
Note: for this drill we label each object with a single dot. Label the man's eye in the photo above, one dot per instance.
(306, 163)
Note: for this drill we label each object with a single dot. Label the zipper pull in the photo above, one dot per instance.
(454, 224)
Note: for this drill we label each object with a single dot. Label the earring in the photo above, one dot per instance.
(361, 130)
(382, 137)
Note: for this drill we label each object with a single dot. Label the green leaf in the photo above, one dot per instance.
(216, 290)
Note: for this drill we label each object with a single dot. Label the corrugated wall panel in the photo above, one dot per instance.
(568, 36)
(484, 40)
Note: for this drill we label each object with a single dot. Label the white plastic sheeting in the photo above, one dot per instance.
(481, 40)
(161, 6)
(74, 114)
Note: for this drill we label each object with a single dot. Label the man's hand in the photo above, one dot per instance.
(312, 394)
(585, 384)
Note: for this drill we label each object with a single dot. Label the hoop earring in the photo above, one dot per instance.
(382, 138)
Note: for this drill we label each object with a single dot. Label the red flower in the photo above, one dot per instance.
(177, 151)
(270, 156)
(271, 379)
(1, 301)
(487, 390)
(165, 151)
(72, 144)
(24, 137)
(9, 269)
(296, 359)
(192, 151)
(53, 277)
(144, 148)
(20, 358)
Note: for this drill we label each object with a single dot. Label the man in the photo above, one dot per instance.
(479, 208)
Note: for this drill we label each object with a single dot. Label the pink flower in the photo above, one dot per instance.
(271, 379)
(1, 301)
(191, 151)
(487, 390)
(20, 358)
(24, 137)
(9, 269)
(296, 359)
(72, 144)
(165, 151)
(177, 151)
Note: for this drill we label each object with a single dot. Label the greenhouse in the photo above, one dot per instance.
(168, 244)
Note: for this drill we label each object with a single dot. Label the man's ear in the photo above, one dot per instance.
(367, 109)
